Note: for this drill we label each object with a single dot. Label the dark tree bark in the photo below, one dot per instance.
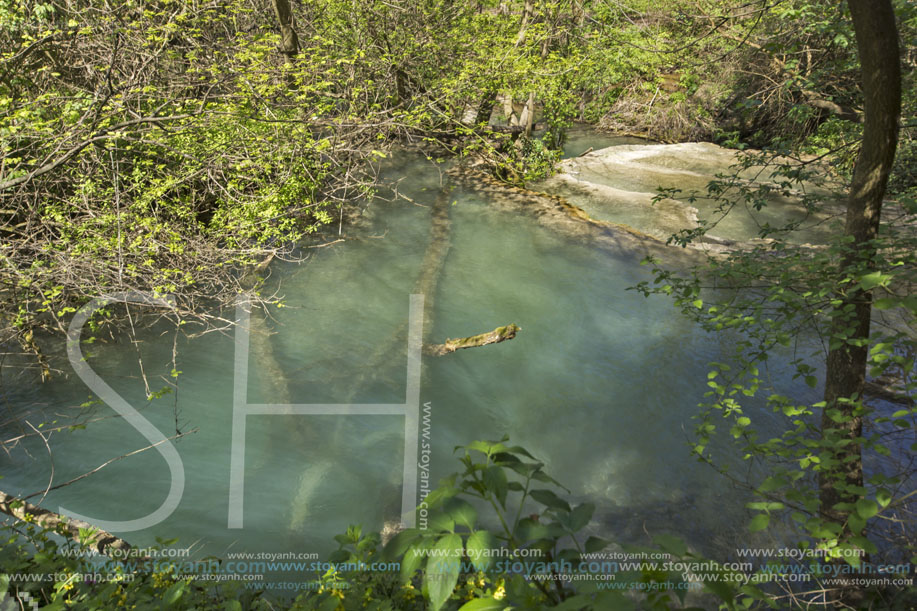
(877, 42)
(485, 107)
(289, 41)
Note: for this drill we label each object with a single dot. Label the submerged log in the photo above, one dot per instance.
(78, 530)
(500, 334)
(885, 389)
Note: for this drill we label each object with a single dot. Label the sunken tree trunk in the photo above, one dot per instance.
(392, 349)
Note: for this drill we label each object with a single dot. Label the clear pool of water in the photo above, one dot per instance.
(601, 384)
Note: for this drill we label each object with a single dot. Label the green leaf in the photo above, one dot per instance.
(440, 494)
(495, 481)
(400, 543)
(541, 476)
(884, 497)
(856, 523)
(525, 469)
(575, 603)
(867, 508)
(549, 499)
(505, 459)
(569, 555)
(487, 447)
(723, 590)
(579, 517)
(614, 601)
(483, 604)
(519, 450)
(461, 512)
(440, 522)
(871, 281)
(329, 604)
(443, 570)
(174, 593)
(340, 555)
(414, 558)
(772, 483)
(886, 303)
(479, 446)
(530, 530)
(759, 522)
(862, 543)
(671, 544)
(595, 544)
(765, 506)
(478, 547)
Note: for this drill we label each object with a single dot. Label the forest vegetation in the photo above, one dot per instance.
(178, 147)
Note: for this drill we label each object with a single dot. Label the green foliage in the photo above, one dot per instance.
(778, 302)
(220, 152)
(495, 536)
(59, 573)
(167, 146)
(167, 179)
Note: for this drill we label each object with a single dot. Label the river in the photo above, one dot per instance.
(600, 384)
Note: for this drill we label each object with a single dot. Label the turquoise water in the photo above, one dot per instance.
(601, 384)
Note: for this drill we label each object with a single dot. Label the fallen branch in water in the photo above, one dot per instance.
(882, 389)
(323, 244)
(106, 463)
(500, 334)
(78, 530)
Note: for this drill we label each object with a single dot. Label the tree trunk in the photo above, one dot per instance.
(527, 120)
(485, 107)
(530, 105)
(509, 110)
(579, 13)
(877, 42)
(523, 119)
(289, 41)
(527, 11)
